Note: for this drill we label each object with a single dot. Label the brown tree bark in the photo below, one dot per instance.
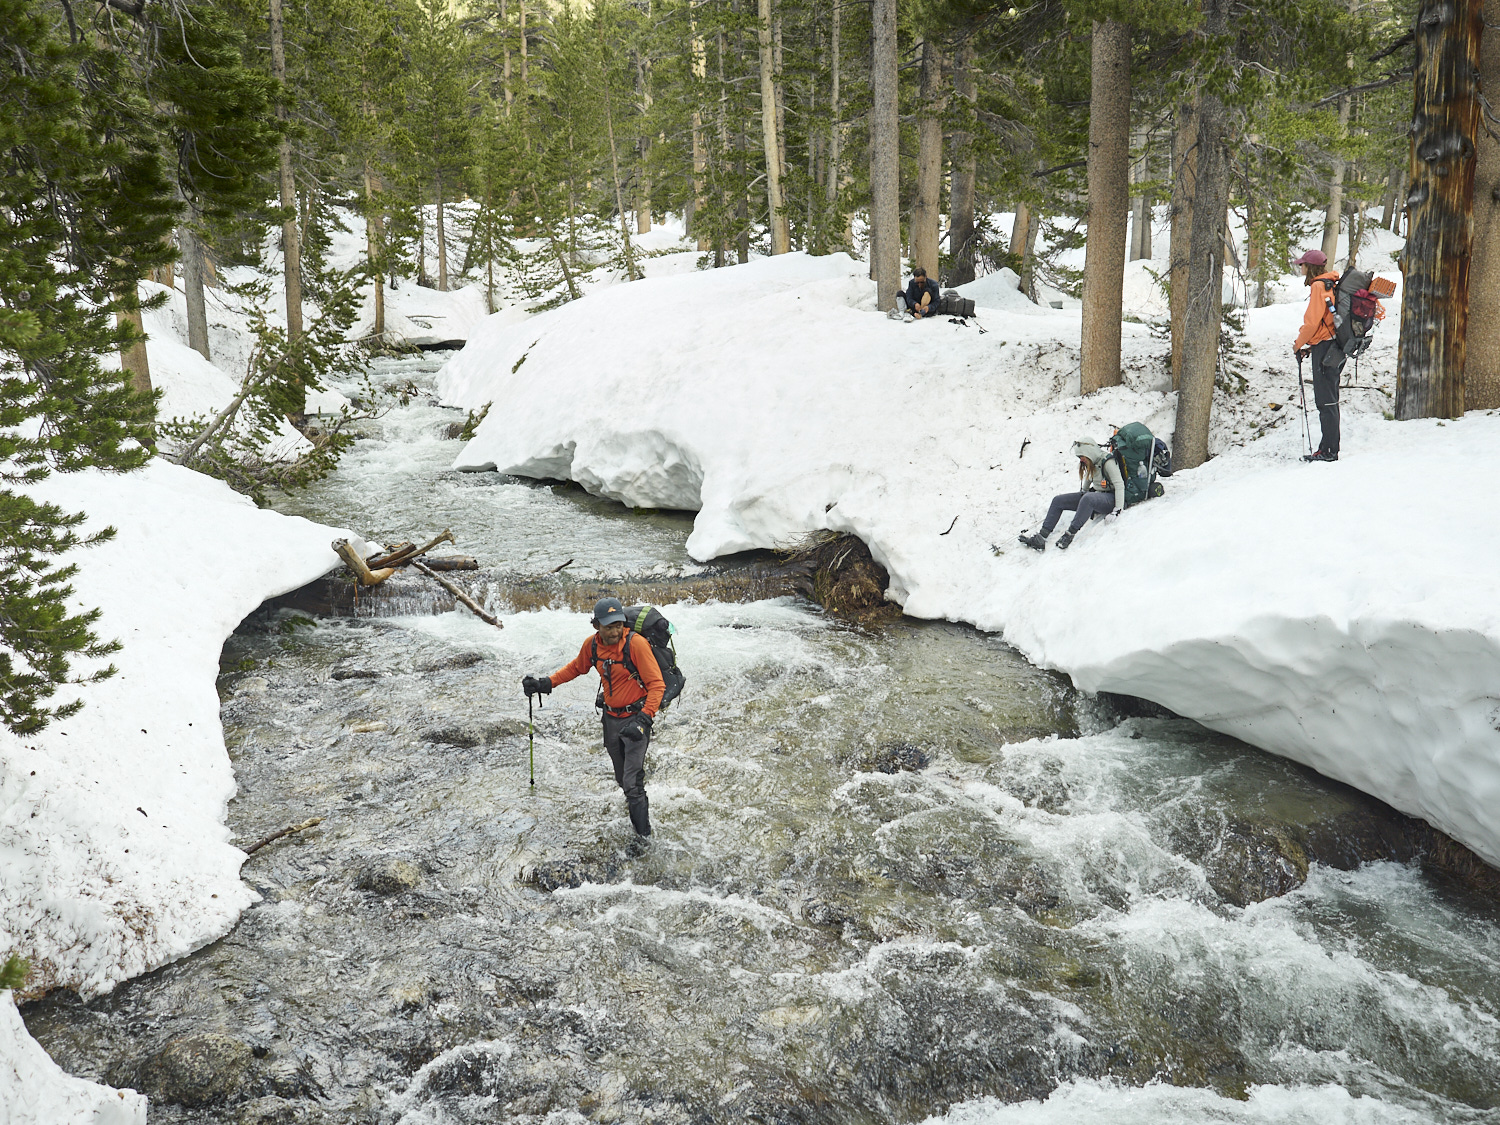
(1140, 205)
(1109, 206)
(1184, 182)
(777, 219)
(1482, 371)
(964, 165)
(926, 212)
(1435, 296)
(885, 196)
(133, 357)
(643, 181)
(291, 240)
(1204, 279)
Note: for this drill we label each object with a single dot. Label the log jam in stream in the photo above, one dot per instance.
(895, 868)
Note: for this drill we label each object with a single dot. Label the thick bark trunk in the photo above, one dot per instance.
(885, 196)
(192, 287)
(291, 241)
(1205, 285)
(442, 238)
(776, 218)
(927, 207)
(1023, 232)
(1435, 296)
(1109, 205)
(133, 357)
(1482, 372)
(964, 168)
(1184, 181)
(614, 165)
(505, 70)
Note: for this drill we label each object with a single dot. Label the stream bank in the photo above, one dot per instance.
(894, 870)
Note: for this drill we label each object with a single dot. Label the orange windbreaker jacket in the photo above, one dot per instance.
(1317, 322)
(620, 688)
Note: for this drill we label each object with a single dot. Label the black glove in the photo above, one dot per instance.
(537, 685)
(637, 728)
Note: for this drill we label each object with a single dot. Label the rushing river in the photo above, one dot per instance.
(895, 874)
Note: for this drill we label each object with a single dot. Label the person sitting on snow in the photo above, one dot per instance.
(1101, 492)
(919, 300)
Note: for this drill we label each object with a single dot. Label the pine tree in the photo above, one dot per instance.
(85, 210)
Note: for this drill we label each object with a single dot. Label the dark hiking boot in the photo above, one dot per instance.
(1320, 455)
(1036, 541)
(640, 817)
(1064, 540)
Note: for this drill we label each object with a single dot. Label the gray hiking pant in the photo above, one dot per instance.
(1083, 504)
(1325, 381)
(629, 758)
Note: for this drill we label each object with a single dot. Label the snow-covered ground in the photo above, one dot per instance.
(1346, 615)
(115, 853)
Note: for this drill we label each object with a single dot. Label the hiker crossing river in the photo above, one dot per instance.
(891, 870)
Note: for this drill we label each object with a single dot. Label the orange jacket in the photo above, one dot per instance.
(620, 688)
(1317, 322)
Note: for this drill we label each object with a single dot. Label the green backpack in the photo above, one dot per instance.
(1134, 448)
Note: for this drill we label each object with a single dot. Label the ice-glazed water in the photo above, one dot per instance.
(895, 876)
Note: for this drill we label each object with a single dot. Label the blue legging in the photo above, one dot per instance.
(1083, 504)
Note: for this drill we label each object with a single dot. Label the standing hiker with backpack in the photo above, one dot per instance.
(631, 691)
(1316, 339)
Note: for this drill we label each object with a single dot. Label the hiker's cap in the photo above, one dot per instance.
(1312, 258)
(607, 611)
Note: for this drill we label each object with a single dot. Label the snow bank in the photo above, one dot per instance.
(35, 1091)
(114, 856)
(1347, 615)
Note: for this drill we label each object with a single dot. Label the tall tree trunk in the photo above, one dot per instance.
(1356, 235)
(133, 357)
(1440, 236)
(525, 74)
(1184, 184)
(614, 157)
(885, 194)
(291, 241)
(643, 150)
(421, 240)
(927, 207)
(1335, 210)
(442, 237)
(505, 71)
(192, 285)
(721, 244)
(1482, 372)
(777, 219)
(779, 87)
(836, 127)
(964, 165)
(1109, 205)
(1140, 206)
(1205, 280)
(375, 247)
(1027, 233)
(1394, 218)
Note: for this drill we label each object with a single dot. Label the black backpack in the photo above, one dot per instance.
(951, 303)
(1354, 311)
(649, 623)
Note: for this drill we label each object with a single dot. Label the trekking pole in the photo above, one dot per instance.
(531, 737)
(1302, 394)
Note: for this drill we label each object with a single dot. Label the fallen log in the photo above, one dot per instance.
(387, 557)
(473, 606)
(403, 553)
(453, 562)
(367, 577)
(287, 831)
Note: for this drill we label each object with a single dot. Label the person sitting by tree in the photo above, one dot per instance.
(919, 300)
(1101, 492)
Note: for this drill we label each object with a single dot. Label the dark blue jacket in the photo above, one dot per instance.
(916, 287)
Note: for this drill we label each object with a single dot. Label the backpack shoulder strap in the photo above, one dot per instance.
(630, 635)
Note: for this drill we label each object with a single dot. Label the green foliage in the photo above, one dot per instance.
(85, 208)
(13, 972)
